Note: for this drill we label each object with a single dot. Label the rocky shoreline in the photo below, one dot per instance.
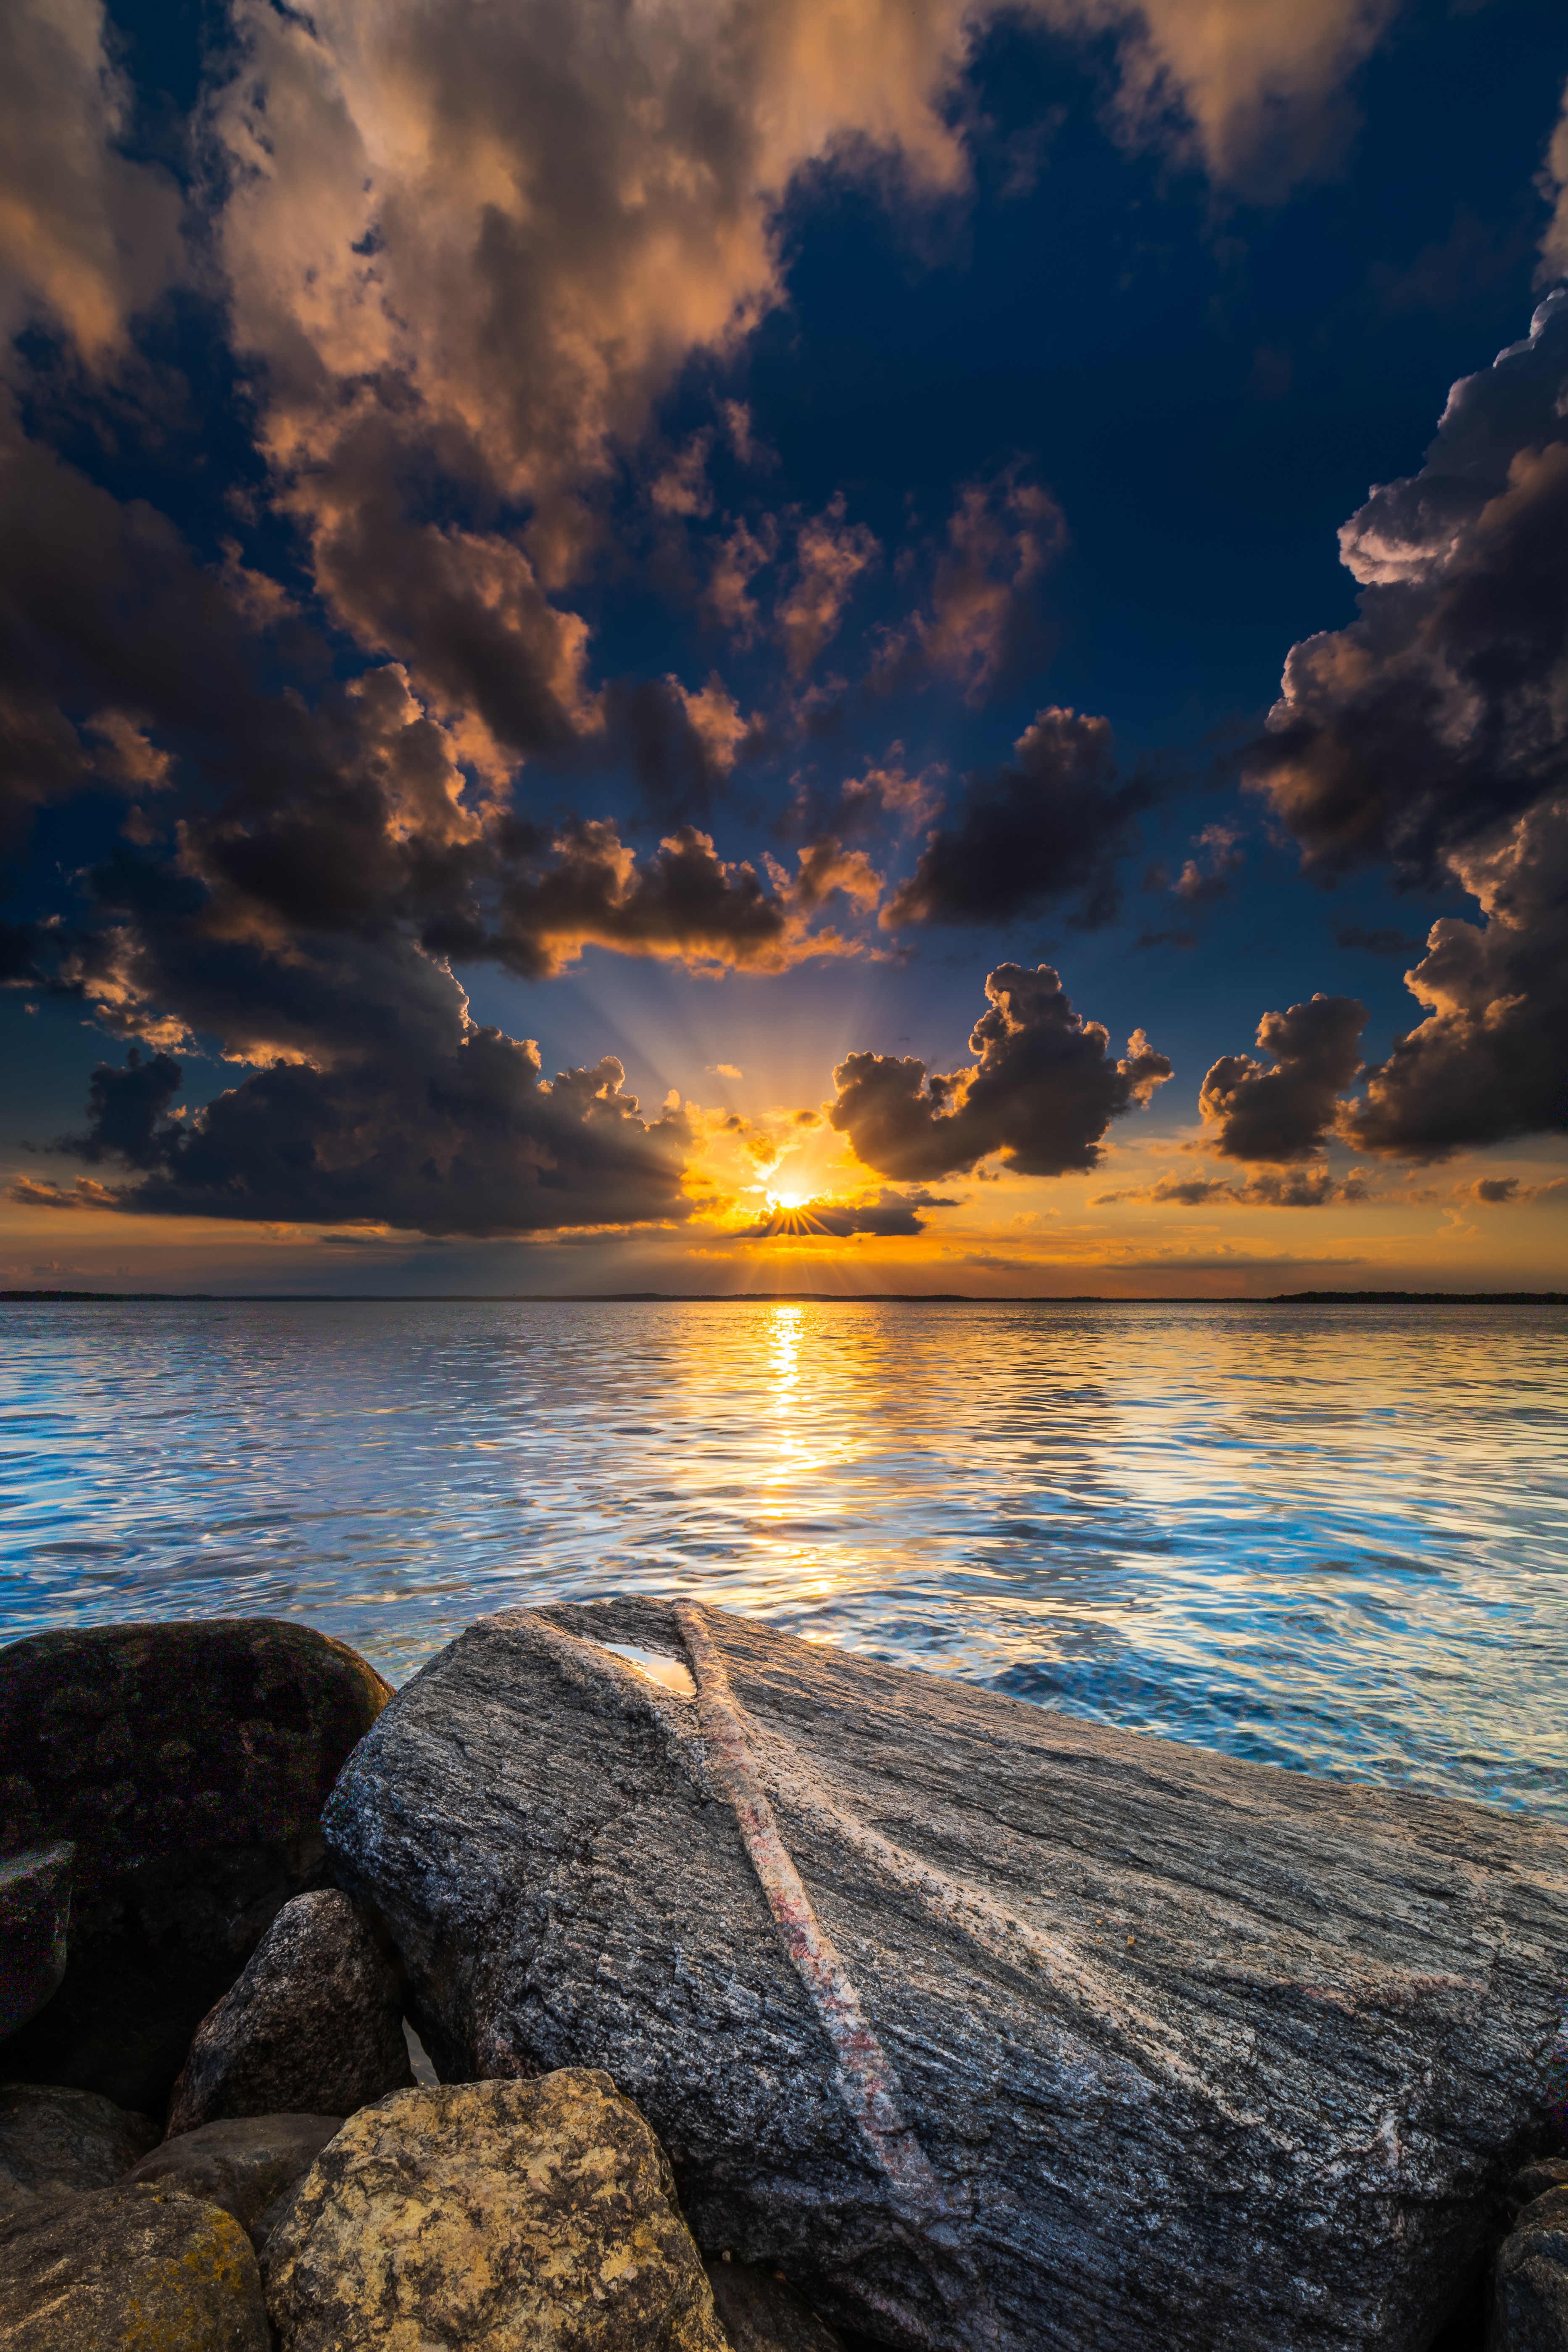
(778, 2001)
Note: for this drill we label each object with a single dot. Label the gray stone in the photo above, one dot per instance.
(313, 2026)
(54, 2140)
(188, 1764)
(34, 1916)
(128, 2270)
(988, 2026)
(511, 2216)
(251, 2166)
(1546, 2172)
(1530, 2306)
(759, 2311)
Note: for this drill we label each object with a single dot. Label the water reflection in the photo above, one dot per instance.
(1332, 1538)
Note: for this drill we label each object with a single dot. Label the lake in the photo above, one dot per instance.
(1331, 1538)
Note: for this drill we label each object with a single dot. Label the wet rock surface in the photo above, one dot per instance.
(759, 2311)
(250, 2167)
(991, 2027)
(313, 2025)
(34, 1918)
(55, 2141)
(132, 2268)
(188, 1764)
(511, 2215)
(1530, 2302)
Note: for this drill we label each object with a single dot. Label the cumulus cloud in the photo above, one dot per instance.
(453, 1130)
(90, 237)
(1041, 1094)
(1283, 1112)
(1431, 735)
(1510, 1191)
(1047, 829)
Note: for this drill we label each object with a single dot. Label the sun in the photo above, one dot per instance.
(786, 1200)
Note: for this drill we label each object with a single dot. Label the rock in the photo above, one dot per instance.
(988, 2026)
(251, 2166)
(511, 2215)
(188, 1764)
(1530, 2305)
(314, 2025)
(134, 2269)
(35, 1913)
(1546, 2172)
(54, 2140)
(759, 2311)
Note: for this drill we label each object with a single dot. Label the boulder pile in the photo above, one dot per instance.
(780, 2003)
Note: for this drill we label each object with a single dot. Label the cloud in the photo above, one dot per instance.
(1201, 885)
(1042, 1092)
(90, 237)
(1283, 1113)
(1554, 186)
(1047, 829)
(891, 1216)
(1296, 1187)
(724, 1070)
(1258, 91)
(1431, 736)
(830, 557)
(982, 626)
(454, 1130)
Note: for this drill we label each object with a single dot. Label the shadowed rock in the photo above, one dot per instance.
(760, 2313)
(34, 1917)
(132, 2268)
(1530, 2304)
(511, 2215)
(990, 2027)
(252, 2167)
(188, 1764)
(54, 2140)
(314, 2025)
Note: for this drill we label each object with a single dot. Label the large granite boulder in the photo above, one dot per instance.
(132, 2268)
(511, 2215)
(54, 2141)
(188, 1764)
(252, 2167)
(1530, 2306)
(314, 2025)
(34, 1918)
(989, 2027)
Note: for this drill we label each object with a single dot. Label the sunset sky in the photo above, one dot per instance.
(753, 644)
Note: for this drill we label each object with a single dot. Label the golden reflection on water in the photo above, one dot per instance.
(1328, 1536)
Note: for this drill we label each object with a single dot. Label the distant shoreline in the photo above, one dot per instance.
(763, 1298)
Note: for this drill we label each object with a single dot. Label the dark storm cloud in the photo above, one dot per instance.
(891, 1216)
(1282, 1113)
(459, 1133)
(1432, 736)
(1041, 1095)
(1049, 828)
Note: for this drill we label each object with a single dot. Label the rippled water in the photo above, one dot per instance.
(1333, 1537)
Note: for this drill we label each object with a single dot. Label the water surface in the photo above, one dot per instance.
(1330, 1537)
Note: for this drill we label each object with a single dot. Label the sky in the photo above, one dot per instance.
(849, 646)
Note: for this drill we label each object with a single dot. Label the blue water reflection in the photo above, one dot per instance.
(1332, 1538)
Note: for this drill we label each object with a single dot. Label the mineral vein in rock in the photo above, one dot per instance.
(867, 2080)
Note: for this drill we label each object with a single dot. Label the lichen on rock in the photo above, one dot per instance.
(504, 2214)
